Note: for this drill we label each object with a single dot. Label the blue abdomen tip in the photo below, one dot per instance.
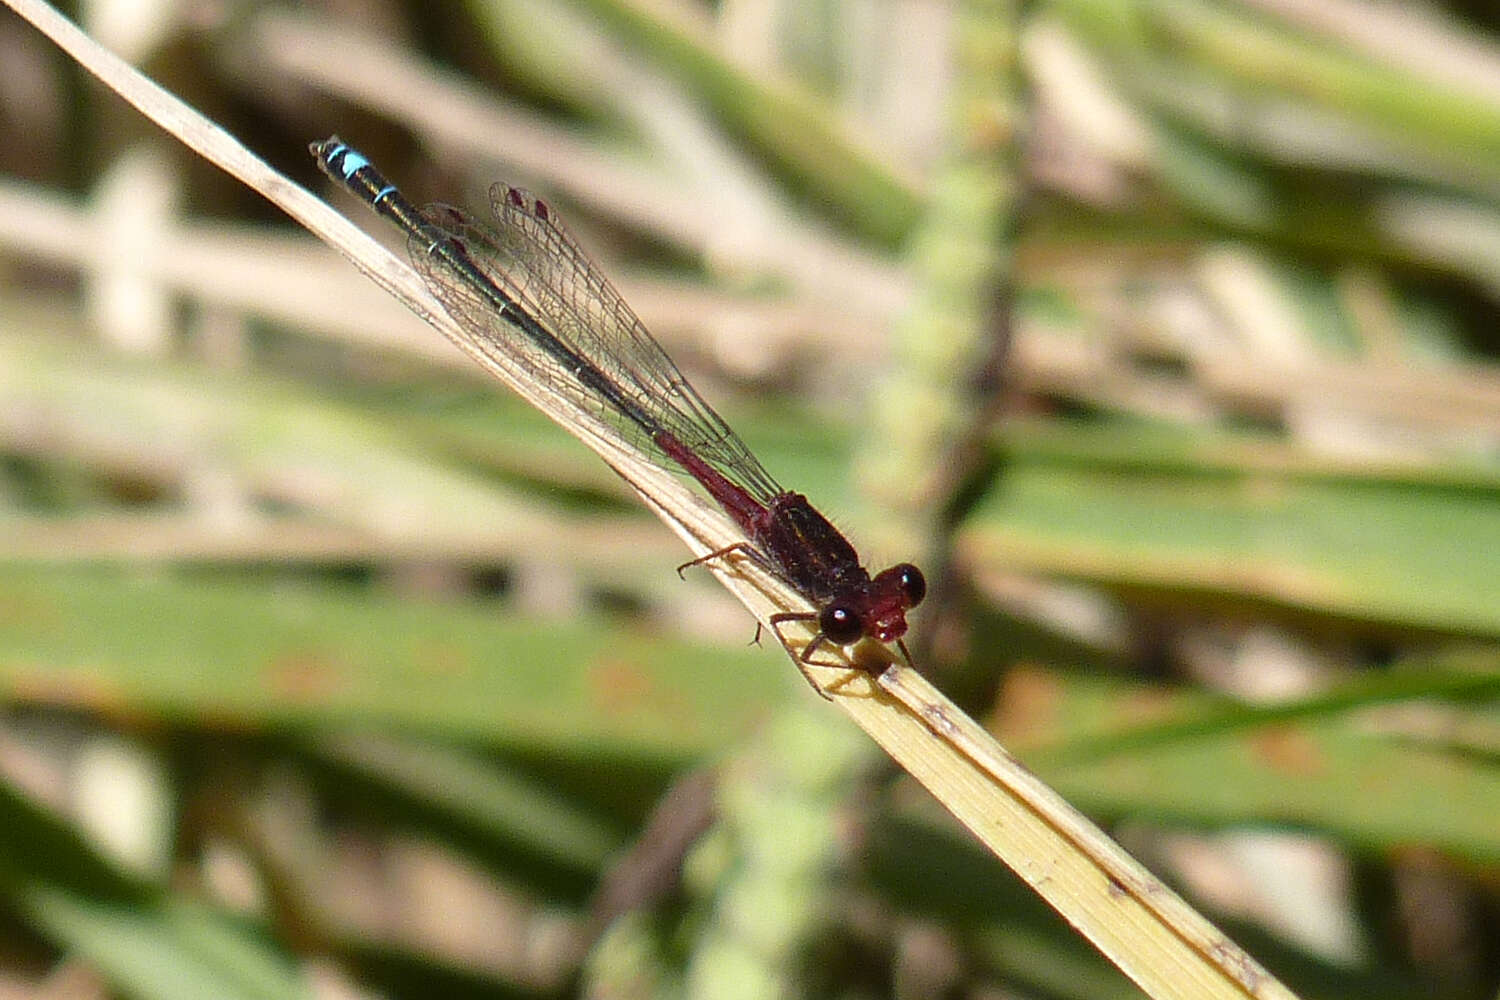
(351, 162)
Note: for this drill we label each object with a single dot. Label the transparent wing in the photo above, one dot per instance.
(533, 259)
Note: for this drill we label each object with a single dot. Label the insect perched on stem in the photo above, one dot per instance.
(525, 293)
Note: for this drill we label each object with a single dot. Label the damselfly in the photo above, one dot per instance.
(526, 294)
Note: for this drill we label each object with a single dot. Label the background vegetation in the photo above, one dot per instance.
(1161, 333)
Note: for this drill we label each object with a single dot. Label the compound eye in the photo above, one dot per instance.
(913, 584)
(840, 624)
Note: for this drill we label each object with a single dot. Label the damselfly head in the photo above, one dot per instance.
(877, 609)
(892, 593)
(906, 580)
